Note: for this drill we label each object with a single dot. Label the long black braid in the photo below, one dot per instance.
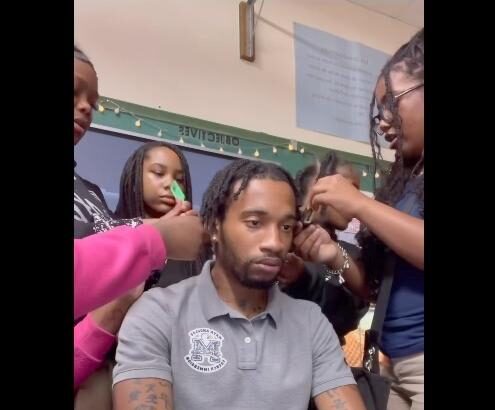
(408, 59)
(131, 200)
(219, 194)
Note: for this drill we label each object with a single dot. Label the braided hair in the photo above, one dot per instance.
(219, 194)
(302, 180)
(324, 167)
(131, 200)
(408, 59)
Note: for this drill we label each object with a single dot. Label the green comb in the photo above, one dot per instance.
(177, 192)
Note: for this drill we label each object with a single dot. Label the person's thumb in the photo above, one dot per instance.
(177, 209)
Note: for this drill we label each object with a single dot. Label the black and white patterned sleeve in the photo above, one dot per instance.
(102, 224)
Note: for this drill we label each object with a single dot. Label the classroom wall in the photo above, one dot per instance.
(183, 56)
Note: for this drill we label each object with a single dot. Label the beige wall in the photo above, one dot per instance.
(183, 55)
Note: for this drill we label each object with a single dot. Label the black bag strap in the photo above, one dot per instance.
(373, 335)
(387, 280)
(383, 295)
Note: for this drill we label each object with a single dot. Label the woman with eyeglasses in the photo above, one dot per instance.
(391, 224)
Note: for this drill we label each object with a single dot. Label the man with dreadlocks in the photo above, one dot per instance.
(229, 338)
(393, 222)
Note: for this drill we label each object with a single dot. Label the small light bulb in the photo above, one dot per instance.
(377, 175)
(256, 153)
(117, 111)
(137, 123)
(202, 145)
(101, 108)
(239, 151)
(301, 150)
(181, 140)
(365, 174)
(274, 150)
(221, 149)
(291, 147)
(159, 134)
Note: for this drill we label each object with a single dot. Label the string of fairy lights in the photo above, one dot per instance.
(255, 151)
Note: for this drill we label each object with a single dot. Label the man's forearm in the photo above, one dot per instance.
(341, 398)
(143, 394)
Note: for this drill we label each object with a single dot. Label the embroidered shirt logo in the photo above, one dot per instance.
(205, 355)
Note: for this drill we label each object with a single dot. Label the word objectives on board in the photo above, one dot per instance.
(202, 135)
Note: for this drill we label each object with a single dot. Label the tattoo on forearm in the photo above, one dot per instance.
(152, 398)
(165, 398)
(144, 396)
(134, 395)
(337, 402)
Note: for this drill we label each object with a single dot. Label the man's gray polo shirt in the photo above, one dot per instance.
(215, 358)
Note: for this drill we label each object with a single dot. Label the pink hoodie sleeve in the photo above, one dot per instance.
(91, 344)
(108, 264)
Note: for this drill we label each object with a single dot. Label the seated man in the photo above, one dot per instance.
(229, 338)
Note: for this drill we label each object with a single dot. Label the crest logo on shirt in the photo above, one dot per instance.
(205, 355)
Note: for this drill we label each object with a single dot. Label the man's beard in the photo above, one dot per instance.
(233, 265)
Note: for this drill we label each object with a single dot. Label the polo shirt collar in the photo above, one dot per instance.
(213, 306)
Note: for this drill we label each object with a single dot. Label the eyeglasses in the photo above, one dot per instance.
(387, 115)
